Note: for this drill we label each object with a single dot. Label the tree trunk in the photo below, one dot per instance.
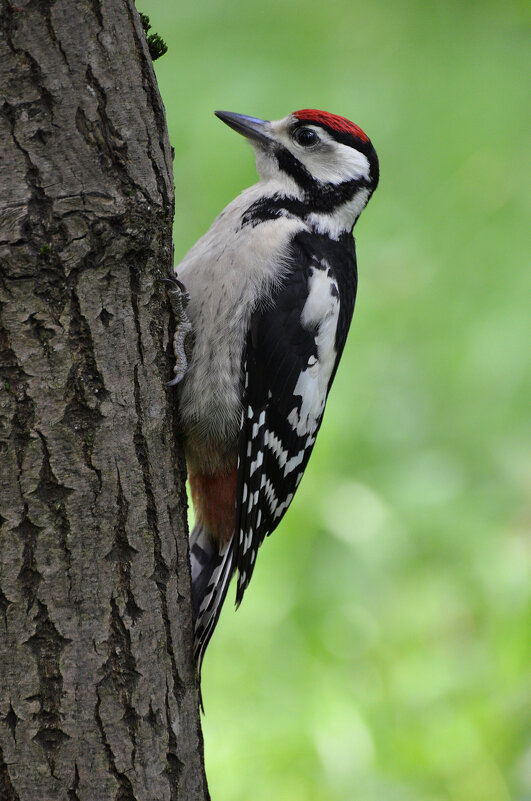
(97, 691)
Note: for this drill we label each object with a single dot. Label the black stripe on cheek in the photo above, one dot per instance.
(293, 167)
(321, 198)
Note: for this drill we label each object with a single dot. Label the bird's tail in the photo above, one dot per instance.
(212, 569)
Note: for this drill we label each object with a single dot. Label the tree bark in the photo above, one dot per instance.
(97, 692)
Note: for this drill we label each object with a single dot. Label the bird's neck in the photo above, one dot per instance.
(330, 209)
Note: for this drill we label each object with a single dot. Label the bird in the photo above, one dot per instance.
(267, 295)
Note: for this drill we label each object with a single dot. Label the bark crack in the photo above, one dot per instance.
(7, 791)
(96, 7)
(125, 788)
(72, 792)
(47, 13)
(28, 576)
(14, 381)
(134, 273)
(39, 206)
(101, 134)
(53, 495)
(121, 673)
(85, 389)
(5, 603)
(47, 645)
(122, 553)
(174, 765)
(11, 719)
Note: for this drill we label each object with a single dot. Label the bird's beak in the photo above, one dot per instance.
(254, 129)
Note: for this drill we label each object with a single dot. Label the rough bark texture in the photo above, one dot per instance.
(97, 693)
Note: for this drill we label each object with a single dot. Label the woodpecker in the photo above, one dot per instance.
(270, 289)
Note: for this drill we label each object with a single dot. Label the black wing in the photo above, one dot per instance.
(293, 348)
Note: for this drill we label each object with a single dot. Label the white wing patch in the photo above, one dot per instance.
(321, 311)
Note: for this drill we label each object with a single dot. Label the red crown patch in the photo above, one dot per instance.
(340, 124)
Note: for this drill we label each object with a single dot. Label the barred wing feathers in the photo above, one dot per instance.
(292, 352)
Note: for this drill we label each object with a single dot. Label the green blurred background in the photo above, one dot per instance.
(383, 650)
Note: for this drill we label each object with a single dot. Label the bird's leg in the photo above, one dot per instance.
(179, 299)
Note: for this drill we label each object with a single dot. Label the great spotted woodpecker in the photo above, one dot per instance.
(271, 286)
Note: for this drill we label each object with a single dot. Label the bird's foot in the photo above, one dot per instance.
(179, 299)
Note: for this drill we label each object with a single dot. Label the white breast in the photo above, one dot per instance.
(226, 273)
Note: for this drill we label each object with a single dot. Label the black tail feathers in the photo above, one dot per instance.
(212, 569)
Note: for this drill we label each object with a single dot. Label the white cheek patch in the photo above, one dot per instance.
(336, 164)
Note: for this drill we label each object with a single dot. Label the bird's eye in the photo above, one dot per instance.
(306, 137)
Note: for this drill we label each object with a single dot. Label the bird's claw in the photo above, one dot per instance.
(179, 299)
(178, 294)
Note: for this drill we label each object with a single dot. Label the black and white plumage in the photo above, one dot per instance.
(272, 287)
(293, 349)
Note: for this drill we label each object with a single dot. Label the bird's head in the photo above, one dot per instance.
(324, 159)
